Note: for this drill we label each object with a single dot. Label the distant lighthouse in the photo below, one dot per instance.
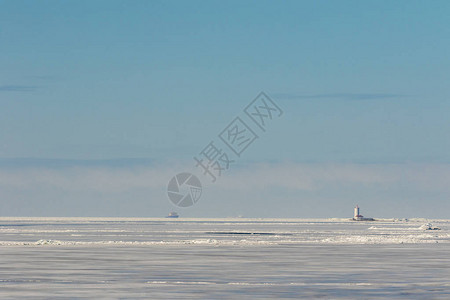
(358, 217)
(356, 214)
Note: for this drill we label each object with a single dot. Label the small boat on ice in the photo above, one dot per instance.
(172, 215)
(428, 226)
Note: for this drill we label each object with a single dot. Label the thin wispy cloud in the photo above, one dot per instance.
(341, 96)
(42, 77)
(312, 177)
(17, 88)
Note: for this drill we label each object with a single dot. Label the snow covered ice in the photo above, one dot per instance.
(45, 258)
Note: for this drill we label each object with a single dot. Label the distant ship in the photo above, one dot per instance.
(173, 215)
(358, 217)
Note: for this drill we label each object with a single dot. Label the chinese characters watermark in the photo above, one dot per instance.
(185, 189)
(238, 136)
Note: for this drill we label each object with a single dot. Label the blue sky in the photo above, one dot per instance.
(123, 85)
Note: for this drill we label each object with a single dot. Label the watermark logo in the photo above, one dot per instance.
(184, 189)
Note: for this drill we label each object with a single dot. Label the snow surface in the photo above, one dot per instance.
(104, 258)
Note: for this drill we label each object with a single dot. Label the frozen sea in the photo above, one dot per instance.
(130, 258)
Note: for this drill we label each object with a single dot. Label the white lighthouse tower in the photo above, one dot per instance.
(356, 214)
(358, 217)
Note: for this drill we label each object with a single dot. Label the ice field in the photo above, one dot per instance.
(105, 258)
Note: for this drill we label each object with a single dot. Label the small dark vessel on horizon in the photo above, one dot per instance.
(173, 214)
